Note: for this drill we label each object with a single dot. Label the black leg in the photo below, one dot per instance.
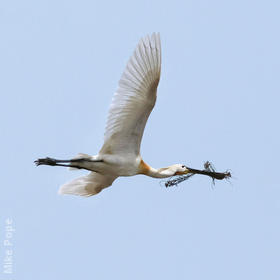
(58, 162)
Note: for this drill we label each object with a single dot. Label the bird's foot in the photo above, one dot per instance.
(46, 161)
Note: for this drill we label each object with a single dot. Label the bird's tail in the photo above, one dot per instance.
(88, 185)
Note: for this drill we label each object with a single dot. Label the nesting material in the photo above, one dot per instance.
(208, 170)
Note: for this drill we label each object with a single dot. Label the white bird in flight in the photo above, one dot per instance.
(130, 108)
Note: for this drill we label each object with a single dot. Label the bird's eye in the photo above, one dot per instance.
(184, 166)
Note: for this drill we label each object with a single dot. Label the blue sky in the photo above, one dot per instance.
(218, 100)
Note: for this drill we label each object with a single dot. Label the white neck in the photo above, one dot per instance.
(160, 173)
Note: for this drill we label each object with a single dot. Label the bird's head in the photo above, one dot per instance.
(175, 169)
(180, 169)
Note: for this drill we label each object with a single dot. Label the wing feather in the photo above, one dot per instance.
(134, 99)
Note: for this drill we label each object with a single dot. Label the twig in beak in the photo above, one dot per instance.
(208, 171)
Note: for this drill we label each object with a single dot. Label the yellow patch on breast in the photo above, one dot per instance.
(143, 168)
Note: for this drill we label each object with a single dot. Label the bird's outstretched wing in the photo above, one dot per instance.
(134, 99)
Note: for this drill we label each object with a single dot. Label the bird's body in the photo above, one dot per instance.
(121, 165)
(131, 106)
